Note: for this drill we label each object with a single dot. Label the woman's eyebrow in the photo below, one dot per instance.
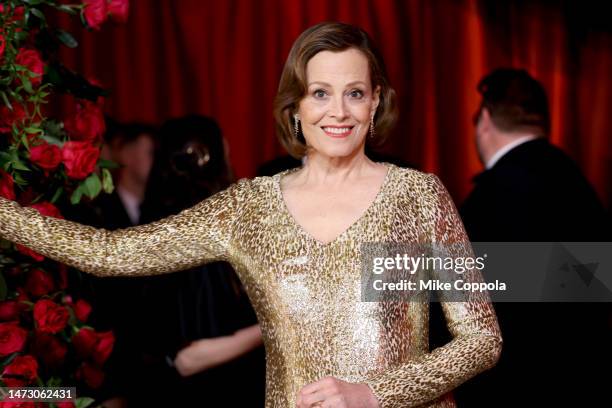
(329, 85)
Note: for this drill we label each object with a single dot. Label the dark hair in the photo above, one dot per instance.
(335, 37)
(118, 135)
(189, 166)
(515, 101)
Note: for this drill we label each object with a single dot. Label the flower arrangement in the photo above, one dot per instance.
(44, 336)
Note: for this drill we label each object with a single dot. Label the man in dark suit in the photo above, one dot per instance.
(532, 191)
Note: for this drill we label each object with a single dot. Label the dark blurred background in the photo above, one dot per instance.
(223, 59)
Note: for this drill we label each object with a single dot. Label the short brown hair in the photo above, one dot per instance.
(515, 100)
(335, 37)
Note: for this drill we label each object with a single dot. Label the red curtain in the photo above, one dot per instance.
(224, 58)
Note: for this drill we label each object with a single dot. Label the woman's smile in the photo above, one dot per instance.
(338, 132)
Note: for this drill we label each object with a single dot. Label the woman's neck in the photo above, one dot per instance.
(331, 171)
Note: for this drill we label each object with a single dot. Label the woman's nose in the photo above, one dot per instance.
(337, 108)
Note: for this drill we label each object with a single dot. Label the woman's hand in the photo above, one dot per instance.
(207, 353)
(331, 392)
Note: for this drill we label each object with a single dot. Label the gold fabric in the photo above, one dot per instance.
(306, 294)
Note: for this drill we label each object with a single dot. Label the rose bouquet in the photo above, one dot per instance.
(44, 162)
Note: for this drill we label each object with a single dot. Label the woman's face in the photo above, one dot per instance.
(335, 113)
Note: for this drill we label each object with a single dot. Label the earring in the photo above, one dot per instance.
(372, 131)
(296, 127)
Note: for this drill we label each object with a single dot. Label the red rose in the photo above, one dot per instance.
(95, 13)
(46, 156)
(118, 10)
(82, 309)
(84, 342)
(7, 185)
(65, 404)
(28, 252)
(32, 60)
(8, 117)
(22, 404)
(98, 346)
(47, 209)
(2, 44)
(90, 374)
(18, 12)
(21, 371)
(49, 316)
(79, 159)
(49, 349)
(12, 338)
(9, 310)
(39, 283)
(87, 123)
(104, 347)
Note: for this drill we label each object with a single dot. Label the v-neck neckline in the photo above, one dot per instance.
(354, 224)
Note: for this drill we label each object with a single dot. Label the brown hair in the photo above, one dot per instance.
(515, 101)
(335, 37)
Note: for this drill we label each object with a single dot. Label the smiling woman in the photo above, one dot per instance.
(295, 239)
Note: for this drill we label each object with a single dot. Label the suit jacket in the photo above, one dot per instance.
(551, 351)
(535, 192)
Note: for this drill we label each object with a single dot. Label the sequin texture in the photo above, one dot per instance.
(306, 294)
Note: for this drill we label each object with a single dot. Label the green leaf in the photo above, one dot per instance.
(75, 198)
(57, 194)
(52, 140)
(27, 85)
(107, 181)
(5, 158)
(18, 165)
(19, 180)
(31, 129)
(3, 287)
(21, 36)
(32, 2)
(38, 13)
(92, 186)
(67, 39)
(108, 164)
(84, 402)
(6, 101)
(66, 9)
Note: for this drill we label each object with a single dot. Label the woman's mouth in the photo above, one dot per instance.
(337, 131)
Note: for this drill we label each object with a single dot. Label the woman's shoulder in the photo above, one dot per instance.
(413, 180)
(260, 186)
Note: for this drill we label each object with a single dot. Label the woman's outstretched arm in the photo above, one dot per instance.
(471, 320)
(195, 236)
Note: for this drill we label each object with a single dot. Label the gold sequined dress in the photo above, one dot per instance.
(306, 293)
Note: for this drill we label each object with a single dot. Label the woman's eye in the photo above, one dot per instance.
(319, 93)
(356, 93)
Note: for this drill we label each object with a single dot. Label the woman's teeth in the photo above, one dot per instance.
(337, 130)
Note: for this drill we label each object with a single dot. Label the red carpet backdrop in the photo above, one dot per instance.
(223, 59)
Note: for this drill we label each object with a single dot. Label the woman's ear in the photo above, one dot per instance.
(375, 99)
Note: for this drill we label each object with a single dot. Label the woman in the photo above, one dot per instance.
(294, 239)
(196, 320)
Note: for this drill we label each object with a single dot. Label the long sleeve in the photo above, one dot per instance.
(476, 343)
(195, 236)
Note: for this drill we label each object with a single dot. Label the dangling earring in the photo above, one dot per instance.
(296, 126)
(372, 131)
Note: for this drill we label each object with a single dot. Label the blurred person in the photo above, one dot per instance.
(116, 301)
(531, 190)
(199, 334)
